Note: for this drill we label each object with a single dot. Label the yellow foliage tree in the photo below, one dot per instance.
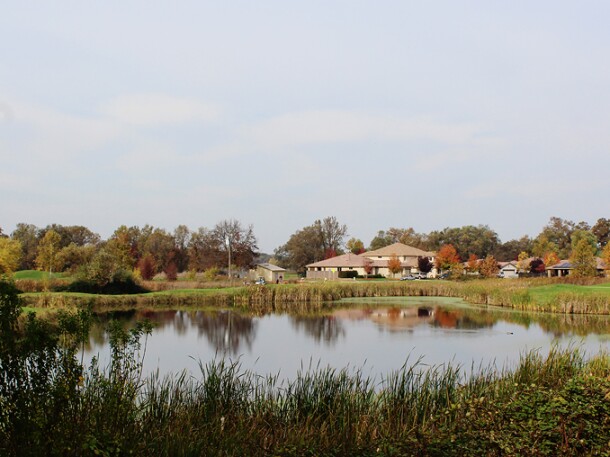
(48, 250)
(10, 255)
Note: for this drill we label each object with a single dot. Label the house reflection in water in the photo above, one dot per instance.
(401, 319)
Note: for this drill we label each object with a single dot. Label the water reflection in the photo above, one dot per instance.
(227, 332)
(325, 329)
(382, 333)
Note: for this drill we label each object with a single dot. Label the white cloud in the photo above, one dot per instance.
(155, 109)
(54, 135)
(345, 126)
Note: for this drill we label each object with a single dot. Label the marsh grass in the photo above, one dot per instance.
(555, 404)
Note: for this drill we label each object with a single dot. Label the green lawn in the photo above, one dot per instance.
(37, 275)
(545, 294)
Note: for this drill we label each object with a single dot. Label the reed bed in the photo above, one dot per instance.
(50, 404)
(554, 405)
(310, 297)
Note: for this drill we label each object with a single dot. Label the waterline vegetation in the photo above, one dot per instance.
(51, 404)
(546, 295)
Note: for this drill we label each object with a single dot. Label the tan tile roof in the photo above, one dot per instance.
(345, 260)
(400, 250)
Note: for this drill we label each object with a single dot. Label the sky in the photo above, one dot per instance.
(381, 113)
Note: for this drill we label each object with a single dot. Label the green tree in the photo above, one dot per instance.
(479, 240)
(559, 232)
(583, 259)
(510, 250)
(48, 251)
(542, 246)
(312, 243)
(586, 235)
(10, 255)
(27, 235)
(601, 230)
(73, 256)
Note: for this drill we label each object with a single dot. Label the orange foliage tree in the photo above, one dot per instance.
(489, 267)
(447, 257)
(394, 264)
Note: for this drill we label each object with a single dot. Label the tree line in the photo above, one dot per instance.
(455, 245)
(149, 250)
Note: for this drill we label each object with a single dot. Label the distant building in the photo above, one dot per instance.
(376, 261)
(564, 268)
(269, 272)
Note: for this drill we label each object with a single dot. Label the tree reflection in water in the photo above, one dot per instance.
(321, 328)
(226, 331)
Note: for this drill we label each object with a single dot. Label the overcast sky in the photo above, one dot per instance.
(382, 113)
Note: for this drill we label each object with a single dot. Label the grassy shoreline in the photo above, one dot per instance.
(526, 295)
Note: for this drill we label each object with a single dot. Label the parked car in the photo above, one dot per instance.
(260, 281)
(408, 278)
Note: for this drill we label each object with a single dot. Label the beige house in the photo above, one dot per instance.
(269, 272)
(564, 268)
(376, 261)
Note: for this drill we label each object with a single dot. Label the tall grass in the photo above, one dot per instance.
(52, 405)
(315, 296)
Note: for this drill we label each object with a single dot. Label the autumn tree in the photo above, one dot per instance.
(230, 234)
(489, 267)
(182, 236)
(332, 233)
(550, 259)
(10, 255)
(394, 264)
(48, 250)
(472, 264)
(203, 252)
(537, 267)
(606, 258)
(523, 262)
(368, 266)
(583, 259)
(355, 246)
(446, 257)
(147, 267)
(424, 265)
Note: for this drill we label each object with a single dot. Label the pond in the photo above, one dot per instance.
(375, 336)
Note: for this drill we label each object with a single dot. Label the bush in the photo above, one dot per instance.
(348, 274)
(118, 286)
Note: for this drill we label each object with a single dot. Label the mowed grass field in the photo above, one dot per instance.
(37, 275)
(546, 294)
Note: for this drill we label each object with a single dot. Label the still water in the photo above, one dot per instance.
(374, 336)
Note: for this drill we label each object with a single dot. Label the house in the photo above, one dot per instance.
(564, 268)
(269, 272)
(374, 261)
(336, 267)
(508, 270)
